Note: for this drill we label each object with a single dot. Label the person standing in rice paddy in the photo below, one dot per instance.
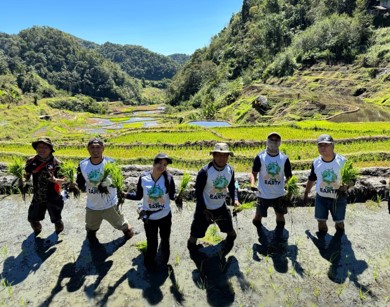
(331, 195)
(214, 183)
(44, 169)
(102, 198)
(156, 188)
(271, 169)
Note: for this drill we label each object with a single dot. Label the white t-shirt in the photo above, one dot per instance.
(216, 188)
(155, 196)
(327, 175)
(93, 174)
(271, 177)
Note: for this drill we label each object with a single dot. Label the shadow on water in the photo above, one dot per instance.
(34, 251)
(275, 245)
(149, 282)
(92, 260)
(213, 275)
(338, 251)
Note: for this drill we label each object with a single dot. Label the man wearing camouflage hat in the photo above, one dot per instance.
(44, 169)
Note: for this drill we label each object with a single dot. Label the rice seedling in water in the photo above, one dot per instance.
(16, 168)
(141, 246)
(68, 170)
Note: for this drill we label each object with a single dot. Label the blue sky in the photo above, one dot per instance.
(166, 26)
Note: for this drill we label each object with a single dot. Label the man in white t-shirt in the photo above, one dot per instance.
(330, 194)
(102, 198)
(214, 182)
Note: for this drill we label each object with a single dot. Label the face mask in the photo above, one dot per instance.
(273, 147)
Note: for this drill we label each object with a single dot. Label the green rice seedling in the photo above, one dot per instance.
(212, 235)
(16, 168)
(292, 188)
(113, 175)
(4, 251)
(183, 184)
(141, 246)
(68, 170)
(316, 292)
(177, 260)
(245, 206)
(362, 294)
(349, 174)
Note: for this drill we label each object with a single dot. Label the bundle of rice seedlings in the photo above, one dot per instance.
(112, 176)
(16, 168)
(141, 246)
(183, 184)
(245, 206)
(349, 174)
(292, 188)
(68, 170)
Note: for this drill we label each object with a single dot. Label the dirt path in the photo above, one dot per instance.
(65, 271)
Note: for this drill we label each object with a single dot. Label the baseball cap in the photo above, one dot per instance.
(160, 156)
(95, 141)
(274, 134)
(325, 138)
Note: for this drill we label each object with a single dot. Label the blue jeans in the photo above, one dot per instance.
(336, 207)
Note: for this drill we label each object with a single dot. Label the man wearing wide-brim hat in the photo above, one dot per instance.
(45, 171)
(214, 182)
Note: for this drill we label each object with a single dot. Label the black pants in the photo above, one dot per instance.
(151, 230)
(37, 210)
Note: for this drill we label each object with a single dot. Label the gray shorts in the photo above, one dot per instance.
(94, 218)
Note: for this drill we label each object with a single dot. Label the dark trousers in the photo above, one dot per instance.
(151, 230)
(37, 211)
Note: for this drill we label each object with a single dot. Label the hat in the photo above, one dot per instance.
(223, 148)
(325, 138)
(274, 134)
(95, 141)
(160, 156)
(46, 141)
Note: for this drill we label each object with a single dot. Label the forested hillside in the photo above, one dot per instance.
(271, 47)
(45, 62)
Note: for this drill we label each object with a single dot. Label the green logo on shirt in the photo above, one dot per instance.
(273, 169)
(328, 176)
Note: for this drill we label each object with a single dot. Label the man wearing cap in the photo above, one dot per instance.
(100, 205)
(213, 184)
(272, 168)
(156, 188)
(44, 169)
(326, 173)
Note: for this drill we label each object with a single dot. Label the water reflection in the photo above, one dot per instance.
(210, 123)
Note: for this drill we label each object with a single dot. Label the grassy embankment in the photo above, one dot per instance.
(367, 144)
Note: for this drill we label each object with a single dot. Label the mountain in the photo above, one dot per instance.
(44, 62)
(290, 53)
(139, 62)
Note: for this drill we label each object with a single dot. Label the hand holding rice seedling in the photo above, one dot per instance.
(292, 188)
(183, 186)
(68, 170)
(112, 177)
(349, 174)
(16, 168)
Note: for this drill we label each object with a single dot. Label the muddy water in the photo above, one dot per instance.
(65, 271)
